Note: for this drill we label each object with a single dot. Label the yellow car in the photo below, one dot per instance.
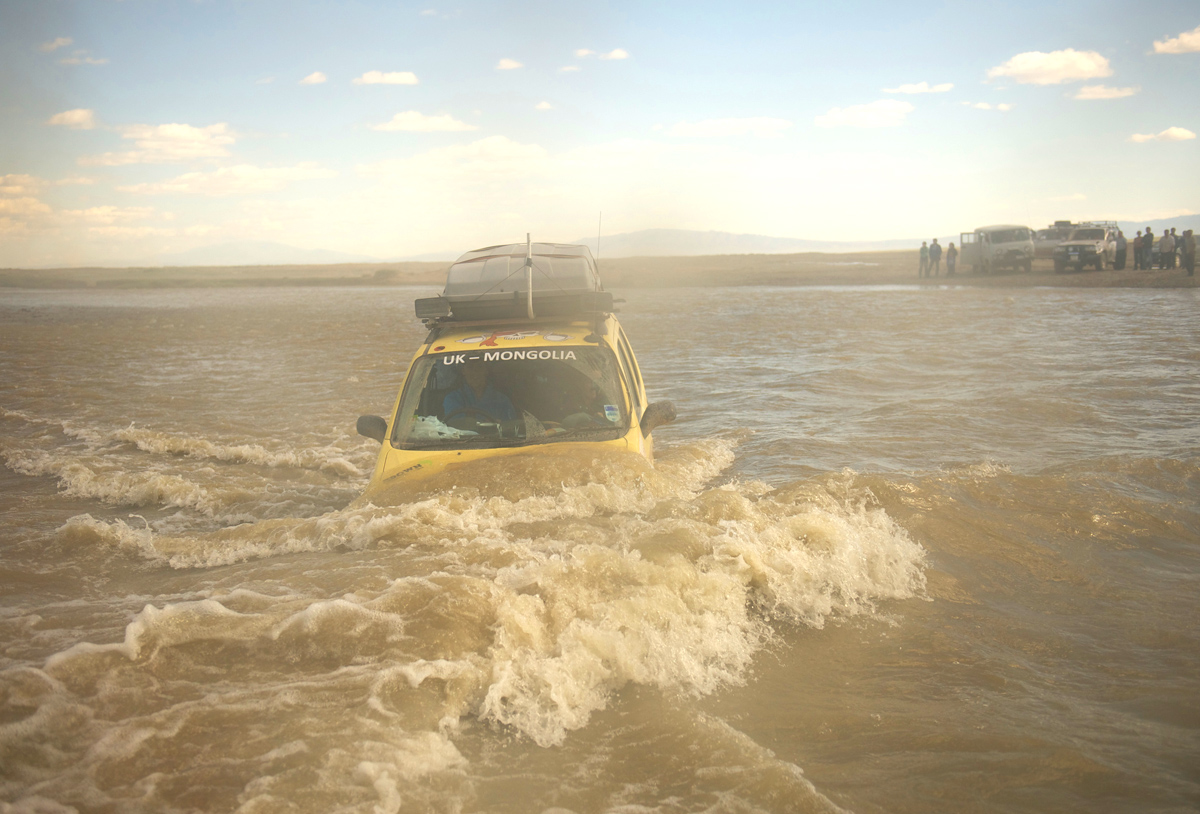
(524, 353)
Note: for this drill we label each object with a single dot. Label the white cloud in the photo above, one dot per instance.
(1091, 92)
(314, 78)
(544, 106)
(167, 144)
(381, 78)
(1054, 68)
(583, 52)
(429, 12)
(921, 87)
(14, 184)
(18, 215)
(23, 206)
(241, 179)
(55, 44)
(79, 119)
(25, 214)
(1003, 107)
(494, 189)
(507, 64)
(108, 215)
(417, 122)
(760, 126)
(80, 59)
(569, 68)
(883, 113)
(491, 157)
(133, 232)
(1186, 43)
(616, 53)
(1170, 134)
(19, 184)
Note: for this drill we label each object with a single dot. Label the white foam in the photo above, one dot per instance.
(643, 576)
(143, 488)
(170, 626)
(328, 458)
(351, 463)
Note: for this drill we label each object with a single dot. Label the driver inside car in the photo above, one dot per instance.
(476, 397)
(584, 404)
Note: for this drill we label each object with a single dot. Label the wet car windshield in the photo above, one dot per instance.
(1087, 234)
(506, 398)
(1009, 236)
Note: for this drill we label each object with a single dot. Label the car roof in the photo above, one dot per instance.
(1001, 227)
(557, 267)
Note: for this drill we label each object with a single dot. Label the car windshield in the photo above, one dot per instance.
(1087, 234)
(503, 398)
(1008, 235)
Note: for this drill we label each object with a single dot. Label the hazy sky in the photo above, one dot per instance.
(134, 128)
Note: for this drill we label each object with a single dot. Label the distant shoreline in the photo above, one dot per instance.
(802, 269)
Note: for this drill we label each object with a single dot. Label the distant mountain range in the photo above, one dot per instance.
(257, 253)
(646, 243)
(684, 243)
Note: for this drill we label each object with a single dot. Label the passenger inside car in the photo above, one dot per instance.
(476, 396)
(540, 393)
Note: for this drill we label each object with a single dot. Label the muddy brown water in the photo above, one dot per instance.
(904, 551)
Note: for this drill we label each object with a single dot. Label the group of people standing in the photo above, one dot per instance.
(1170, 245)
(931, 259)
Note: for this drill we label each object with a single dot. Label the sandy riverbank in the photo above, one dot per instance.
(813, 268)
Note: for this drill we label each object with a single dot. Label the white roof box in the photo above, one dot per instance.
(490, 283)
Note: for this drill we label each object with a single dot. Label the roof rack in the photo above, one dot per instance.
(519, 281)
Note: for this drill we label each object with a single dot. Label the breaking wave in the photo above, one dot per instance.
(352, 463)
(532, 608)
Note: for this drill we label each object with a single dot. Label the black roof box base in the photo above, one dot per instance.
(514, 306)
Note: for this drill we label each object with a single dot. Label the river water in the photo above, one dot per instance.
(904, 551)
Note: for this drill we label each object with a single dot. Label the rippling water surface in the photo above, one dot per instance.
(904, 551)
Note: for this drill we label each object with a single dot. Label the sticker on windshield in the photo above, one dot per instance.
(612, 413)
(511, 336)
(506, 355)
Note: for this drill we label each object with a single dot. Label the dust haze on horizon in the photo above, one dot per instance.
(140, 130)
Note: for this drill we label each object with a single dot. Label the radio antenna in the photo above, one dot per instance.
(528, 276)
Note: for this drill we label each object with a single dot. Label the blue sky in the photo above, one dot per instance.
(140, 128)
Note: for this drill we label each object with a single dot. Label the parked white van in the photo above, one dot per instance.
(989, 248)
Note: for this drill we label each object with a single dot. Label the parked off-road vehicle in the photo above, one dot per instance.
(1045, 241)
(990, 248)
(1092, 244)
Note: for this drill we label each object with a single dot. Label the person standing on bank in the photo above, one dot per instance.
(1189, 252)
(1137, 251)
(951, 259)
(924, 260)
(1148, 248)
(935, 258)
(1166, 251)
(1178, 241)
(1119, 262)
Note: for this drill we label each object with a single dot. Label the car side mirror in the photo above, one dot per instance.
(372, 426)
(657, 414)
